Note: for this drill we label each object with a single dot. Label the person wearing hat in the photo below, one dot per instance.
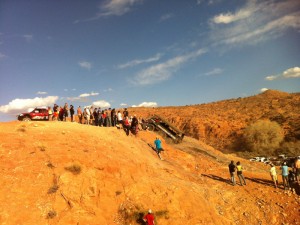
(285, 174)
(149, 218)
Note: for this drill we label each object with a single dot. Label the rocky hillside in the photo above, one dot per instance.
(221, 124)
(65, 173)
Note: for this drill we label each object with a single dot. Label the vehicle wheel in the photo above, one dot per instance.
(144, 126)
(151, 127)
(26, 119)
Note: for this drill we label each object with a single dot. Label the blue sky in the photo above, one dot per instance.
(123, 53)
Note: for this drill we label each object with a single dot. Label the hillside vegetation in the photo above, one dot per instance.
(222, 124)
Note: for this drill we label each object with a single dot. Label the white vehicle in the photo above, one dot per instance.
(255, 159)
(262, 159)
(282, 156)
(258, 159)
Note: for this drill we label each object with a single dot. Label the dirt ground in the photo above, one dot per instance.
(68, 173)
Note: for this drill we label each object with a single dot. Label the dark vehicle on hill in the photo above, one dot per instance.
(39, 113)
(158, 123)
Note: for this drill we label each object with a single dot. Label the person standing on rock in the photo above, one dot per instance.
(232, 168)
(285, 174)
(79, 113)
(274, 175)
(149, 218)
(72, 111)
(297, 169)
(240, 173)
(65, 112)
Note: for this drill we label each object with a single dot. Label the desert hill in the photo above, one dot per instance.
(221, 124)
(68, 173)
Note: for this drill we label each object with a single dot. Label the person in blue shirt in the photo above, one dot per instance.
(285, 174)
(158, 147)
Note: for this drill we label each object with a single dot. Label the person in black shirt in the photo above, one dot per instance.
(232, 168)
(72, 111)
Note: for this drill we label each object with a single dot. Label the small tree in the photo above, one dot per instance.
(263, 136)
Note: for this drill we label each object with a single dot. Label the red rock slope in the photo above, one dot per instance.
(67, 173)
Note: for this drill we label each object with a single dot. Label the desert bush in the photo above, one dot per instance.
(51, 214)
(289, 148)
(42, 148)
(75, 169)
(263, 136)
(53, 189)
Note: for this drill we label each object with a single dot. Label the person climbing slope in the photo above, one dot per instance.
(149, 218)
(158, 147)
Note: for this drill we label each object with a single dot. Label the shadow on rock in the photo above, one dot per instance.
(262, 181)
(217, 178)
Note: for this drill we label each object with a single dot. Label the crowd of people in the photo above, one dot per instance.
(289, 177)
(97, 117)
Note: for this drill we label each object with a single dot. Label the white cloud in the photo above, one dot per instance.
(146, 104)
(272, 77)
(85, 65)
(28, 37)
(292, 73)
(117, 7)
(263, 89)
(140, 61)
(289, 73)
(239, 15)
(164, 71)
(257, 21)
(88, 94)
(21, 105)
(215, 71)
(41, 93)
(102, 104)
(112, 8)
(123, 104)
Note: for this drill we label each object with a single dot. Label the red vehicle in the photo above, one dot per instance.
(39, 113)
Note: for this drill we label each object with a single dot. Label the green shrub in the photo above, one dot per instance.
(263, 136)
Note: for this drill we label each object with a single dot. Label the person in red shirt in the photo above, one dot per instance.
(149, 218)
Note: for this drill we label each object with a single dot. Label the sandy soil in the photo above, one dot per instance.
(68, 173)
